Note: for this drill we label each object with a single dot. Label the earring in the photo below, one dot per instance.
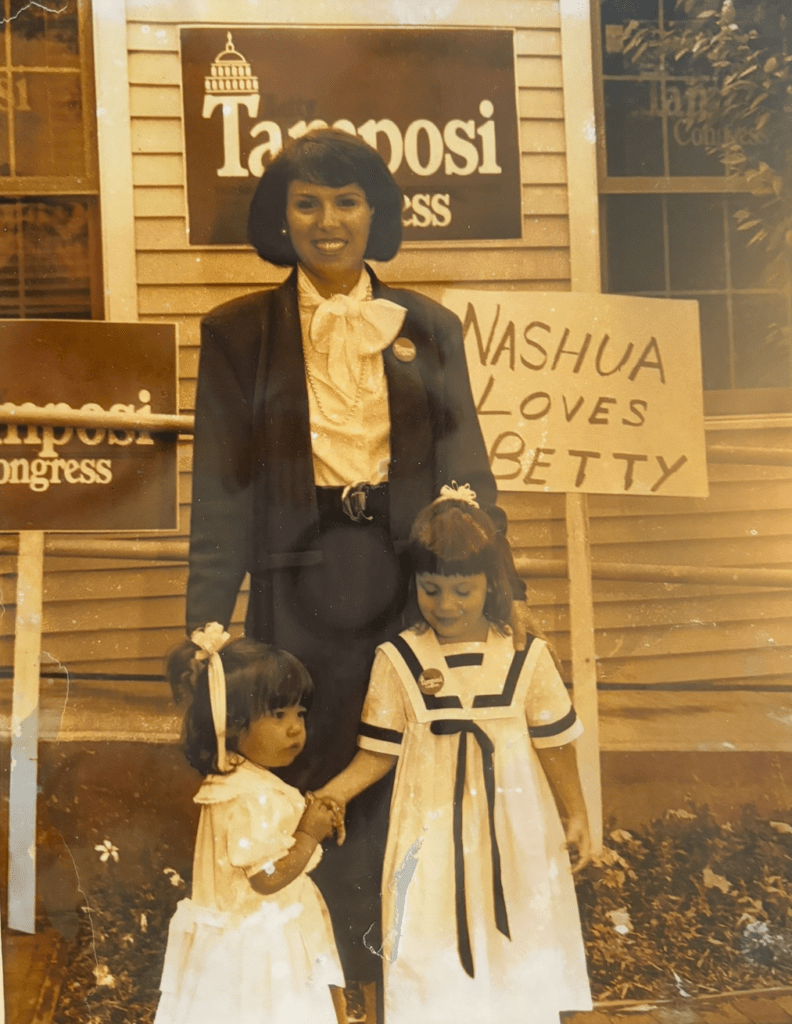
(284, 230)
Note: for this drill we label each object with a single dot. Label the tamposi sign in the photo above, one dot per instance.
(589, 393)
(438, 104)
(86, 478)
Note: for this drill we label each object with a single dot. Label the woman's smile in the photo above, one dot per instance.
(329, 229)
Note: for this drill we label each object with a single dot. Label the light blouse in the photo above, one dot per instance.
(347, 389)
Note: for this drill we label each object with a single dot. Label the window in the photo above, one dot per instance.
(668, 223)
(49, 228)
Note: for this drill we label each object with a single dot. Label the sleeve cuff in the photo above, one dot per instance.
(556, 734)
(379, 740)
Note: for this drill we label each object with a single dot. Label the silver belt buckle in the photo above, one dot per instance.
(353, 501)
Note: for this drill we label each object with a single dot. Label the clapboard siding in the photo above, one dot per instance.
(152, 16)
(155, 101)
(159, 201)
(538, 104)
(186, 263)
(681, 634)
(171, 202)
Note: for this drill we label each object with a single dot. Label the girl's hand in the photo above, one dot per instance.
(578, 838)
(337, 809)
(318, 820)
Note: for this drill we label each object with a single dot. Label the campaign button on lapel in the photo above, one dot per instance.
(430, 680)
(404, 350)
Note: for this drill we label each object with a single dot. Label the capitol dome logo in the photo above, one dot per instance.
(230, 73)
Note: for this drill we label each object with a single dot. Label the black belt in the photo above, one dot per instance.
(465, 728)
(357, 503)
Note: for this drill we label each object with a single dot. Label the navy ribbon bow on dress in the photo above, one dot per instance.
(465, 728)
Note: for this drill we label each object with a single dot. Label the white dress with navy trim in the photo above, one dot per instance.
(480, 919)
(233, 954)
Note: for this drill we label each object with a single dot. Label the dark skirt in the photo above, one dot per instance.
(332, 615)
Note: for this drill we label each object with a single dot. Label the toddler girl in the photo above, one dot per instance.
(254, 944)
(479, 911)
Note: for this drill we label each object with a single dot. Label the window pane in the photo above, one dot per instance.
(715, 358)
(633, 128)
(688, 143)
(9, 259)
(44, 258)
(49, 130)
(614, 16)
(697, 253)
(44, 38)
(634, 230)
(5, 157)
(761, 358)
(748, 262)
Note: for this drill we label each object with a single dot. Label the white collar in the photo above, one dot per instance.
(309, 297)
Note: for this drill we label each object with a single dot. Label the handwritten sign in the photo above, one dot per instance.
(595, 393)
(82, 478)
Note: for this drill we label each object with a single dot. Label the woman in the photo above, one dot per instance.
(329, 411)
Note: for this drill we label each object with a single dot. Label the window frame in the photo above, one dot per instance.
(19, 188)
(733, 400)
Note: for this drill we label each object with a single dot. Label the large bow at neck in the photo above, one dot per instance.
(347, 329)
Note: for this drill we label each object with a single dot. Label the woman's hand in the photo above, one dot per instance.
(318, 820)
(579, 839)
(329, 793)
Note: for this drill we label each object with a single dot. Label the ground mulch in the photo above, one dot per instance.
(683, 908)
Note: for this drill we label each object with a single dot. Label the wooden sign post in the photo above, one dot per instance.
(24, 735)
(77, 453)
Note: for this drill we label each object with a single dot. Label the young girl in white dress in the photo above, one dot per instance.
(480, 919)
(254, 943)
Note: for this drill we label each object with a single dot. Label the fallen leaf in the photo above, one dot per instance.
(713, 881)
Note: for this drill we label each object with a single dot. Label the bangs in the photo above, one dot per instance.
(274, 679)
(424, 560)
(294, 686)
(323, 166)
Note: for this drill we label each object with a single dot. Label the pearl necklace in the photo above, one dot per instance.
(351, 408)
(315, 384)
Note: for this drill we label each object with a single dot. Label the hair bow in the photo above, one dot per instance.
(456, 492)
(211, 640)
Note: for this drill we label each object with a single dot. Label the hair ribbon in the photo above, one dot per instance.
(456, 492)
(211, 640)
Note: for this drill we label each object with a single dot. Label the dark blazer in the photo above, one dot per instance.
(254, 497)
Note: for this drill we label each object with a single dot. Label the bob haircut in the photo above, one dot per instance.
(330, 157)
(454, 538)
(260, 679)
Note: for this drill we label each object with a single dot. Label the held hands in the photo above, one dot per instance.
(329, 816)
(579, 839)
(318, 820)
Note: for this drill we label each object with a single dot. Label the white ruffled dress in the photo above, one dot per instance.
(233, 954)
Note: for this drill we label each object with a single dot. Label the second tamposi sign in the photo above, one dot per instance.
(86, 478)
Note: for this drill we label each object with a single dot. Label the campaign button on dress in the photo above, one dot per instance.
(404, 350)
(431, 680)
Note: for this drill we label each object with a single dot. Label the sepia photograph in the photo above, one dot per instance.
(396, 512)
